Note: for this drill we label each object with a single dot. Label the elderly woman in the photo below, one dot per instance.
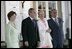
(44, 32)
(11, 31)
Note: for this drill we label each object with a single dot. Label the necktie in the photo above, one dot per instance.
(34, 22)
(56, 21)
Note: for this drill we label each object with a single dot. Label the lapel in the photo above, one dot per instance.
(30, 22)
(54, 23)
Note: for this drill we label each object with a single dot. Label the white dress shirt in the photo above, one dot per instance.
(31, 18)
(55, 20)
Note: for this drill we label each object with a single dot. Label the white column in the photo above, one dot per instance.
(47, 10)
(70, 19)
(64, 15)
(37, 10)
(19, 16)
(57, 7)
(3, 21)
(67, 14)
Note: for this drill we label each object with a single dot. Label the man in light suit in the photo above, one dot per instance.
(56, 25)
(30, 32)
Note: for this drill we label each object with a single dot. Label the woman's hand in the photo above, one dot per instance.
(48, 30)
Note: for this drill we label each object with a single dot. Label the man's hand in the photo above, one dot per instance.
(26, 43)
(38, 44)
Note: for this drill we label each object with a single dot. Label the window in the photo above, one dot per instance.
(46, 6)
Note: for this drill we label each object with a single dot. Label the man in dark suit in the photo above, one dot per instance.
(56, 25)
(30, 32)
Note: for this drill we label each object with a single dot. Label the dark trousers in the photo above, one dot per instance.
(69, 43)
(57, 44)
(31, 45)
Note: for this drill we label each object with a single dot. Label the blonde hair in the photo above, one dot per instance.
(40, 11)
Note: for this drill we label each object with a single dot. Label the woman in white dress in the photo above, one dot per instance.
(44, 32)
(11, 35)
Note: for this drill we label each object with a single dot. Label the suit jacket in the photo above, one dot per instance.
(29, 32)
(57, 30)
(11, 37)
